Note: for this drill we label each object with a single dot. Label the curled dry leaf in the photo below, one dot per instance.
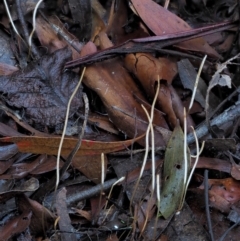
(43, 89)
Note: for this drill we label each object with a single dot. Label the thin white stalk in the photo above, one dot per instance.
(65, 127)
(147, 142)
(196, 82)
(166, 4)
(153, 149)
(197, 157)
(34, 23)
(185, 146)
(10, 18)
(158, 189)
(194, 166)
(103, 169)
(110, 193)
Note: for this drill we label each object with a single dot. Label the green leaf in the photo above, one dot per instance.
(173, 174)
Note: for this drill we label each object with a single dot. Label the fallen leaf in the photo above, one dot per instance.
(115, 87)
(30, 185)
(162, 21)
(47, 145)
(90, 166)
(54, 36)
(16, 225)
(42, 219)
(173, 174)
(43, 89)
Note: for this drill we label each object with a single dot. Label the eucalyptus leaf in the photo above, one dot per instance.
(173, 174)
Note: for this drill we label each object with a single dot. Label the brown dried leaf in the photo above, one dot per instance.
(41, 164)
(224, 193)
(118, 19)
(161, 21)
(42, 218)
(148, 69)
(90, 166)
(115, 87)
(6, 69)
(47, 145)
(53, 35)
(16, 225)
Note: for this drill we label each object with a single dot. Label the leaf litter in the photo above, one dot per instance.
(127, 180)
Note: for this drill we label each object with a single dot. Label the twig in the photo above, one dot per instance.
(95, 190)
(228, 230)
(129, 153)
(231, 114)
(221, 67)
(207, 205)
(65, 127)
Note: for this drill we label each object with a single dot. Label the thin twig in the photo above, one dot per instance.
(231, 114)
(95, 190)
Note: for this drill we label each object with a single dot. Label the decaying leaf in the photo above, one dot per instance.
(43, 89)
(224, 193)
(173, 174)
(46, 145)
